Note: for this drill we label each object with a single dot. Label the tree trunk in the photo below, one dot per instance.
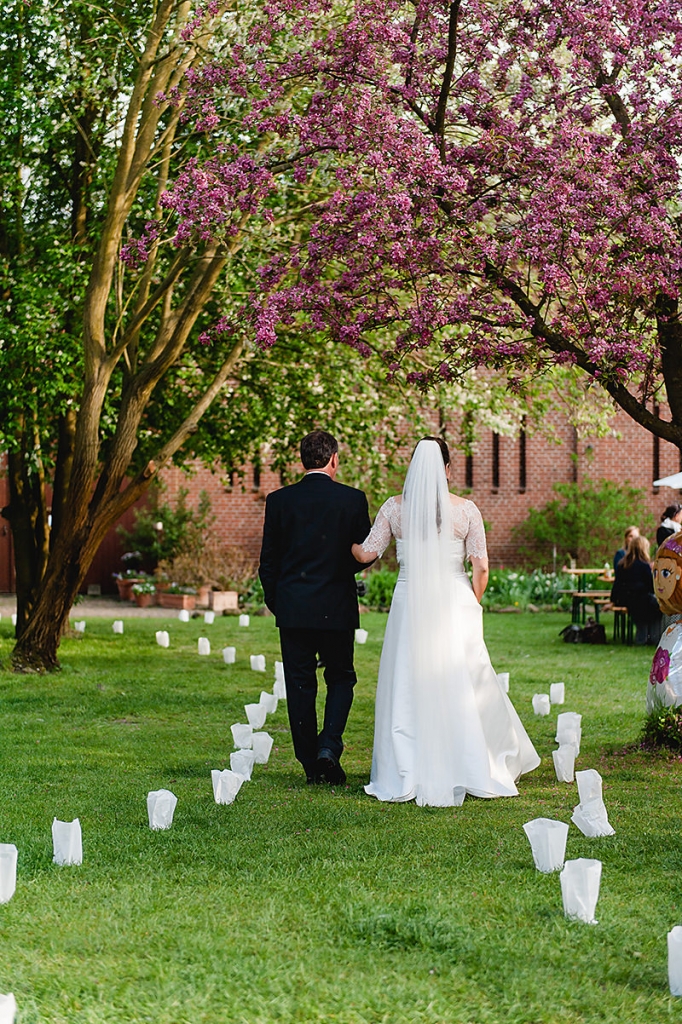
(26, 514)
(70, 559)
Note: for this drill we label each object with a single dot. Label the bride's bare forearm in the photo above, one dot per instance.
(360, 555)
(480, 581)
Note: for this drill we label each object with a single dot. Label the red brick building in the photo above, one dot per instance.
(505, 477)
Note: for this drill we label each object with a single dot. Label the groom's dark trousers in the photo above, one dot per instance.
(308, 577)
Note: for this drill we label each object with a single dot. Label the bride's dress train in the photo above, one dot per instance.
(460, 734)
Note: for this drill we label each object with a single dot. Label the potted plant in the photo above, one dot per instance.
(144, 593)
(126, 580)
(179, 597)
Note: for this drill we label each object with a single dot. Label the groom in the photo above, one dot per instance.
(308, 577)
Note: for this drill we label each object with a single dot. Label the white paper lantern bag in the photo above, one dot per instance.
(229, 655)
(258, 662)
(203, 645)
(361, 636)
(226, 785)
(547, 840)
(269, 702)
(262, 745)
(244, 620)
(256, 715)
(8, 871)
(564, 762)
(568, 729)
(279, 690)
(80, 626)
(242, 762)
(503, 679)
(117, 626)
(209, 618)
(8, 1008)
(14, 618)
(557, 693)
(580, 888)
(161, 804)
(241, 735)
(675, 961)
(67, 842)
(541, 703)
(162, 638)
(183, 615)
(590, 815)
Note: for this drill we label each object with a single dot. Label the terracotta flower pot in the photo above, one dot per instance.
(180, 601)
(144, 600)
(125, 588)
(224, 600)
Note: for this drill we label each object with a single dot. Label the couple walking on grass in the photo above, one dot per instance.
(444, 727)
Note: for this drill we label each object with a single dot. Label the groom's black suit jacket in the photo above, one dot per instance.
(306, 567)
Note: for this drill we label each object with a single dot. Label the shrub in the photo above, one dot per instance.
(222, 567)
(161, 532)
(380, 584)
(512, 588)
(663, 728)
(585, 522)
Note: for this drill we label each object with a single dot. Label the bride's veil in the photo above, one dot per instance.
(427, 539)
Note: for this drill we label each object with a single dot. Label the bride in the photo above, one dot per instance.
(444, 726)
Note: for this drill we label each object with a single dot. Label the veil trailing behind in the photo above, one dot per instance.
(444, 726)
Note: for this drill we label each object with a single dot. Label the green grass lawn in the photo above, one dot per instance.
(306, 904)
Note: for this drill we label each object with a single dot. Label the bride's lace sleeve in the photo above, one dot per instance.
(475, 538)
(379, 537)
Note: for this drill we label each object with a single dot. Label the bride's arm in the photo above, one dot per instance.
(477, 551)
(480, 577)
(377, 540)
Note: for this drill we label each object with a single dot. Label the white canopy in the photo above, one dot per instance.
(669, 481)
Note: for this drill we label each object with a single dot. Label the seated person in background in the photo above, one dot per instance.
(634, 589)
(671, 522)
(632, 531)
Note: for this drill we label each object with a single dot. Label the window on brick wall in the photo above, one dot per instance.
(496, 461)
(656, 453)
(256, 476)
(522, 457)
(469, 471)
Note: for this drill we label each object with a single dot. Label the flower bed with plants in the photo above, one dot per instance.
(507, 589)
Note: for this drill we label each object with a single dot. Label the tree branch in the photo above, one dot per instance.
(557, 343)
(613, 99)
(447, 76)
(124, 499)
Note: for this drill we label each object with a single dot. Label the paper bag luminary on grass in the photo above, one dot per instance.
(8, 871)
(226, 785)
(161, 804)
(665, 678)
(8, 1008)
(67, 842)
(547, 840)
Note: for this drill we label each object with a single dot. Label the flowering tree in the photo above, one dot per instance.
(495, 184)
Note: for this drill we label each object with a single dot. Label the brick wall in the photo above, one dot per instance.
(495, 471)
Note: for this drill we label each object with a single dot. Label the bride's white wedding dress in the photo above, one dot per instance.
(448, 728)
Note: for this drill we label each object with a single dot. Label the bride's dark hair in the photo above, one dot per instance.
(444, 450)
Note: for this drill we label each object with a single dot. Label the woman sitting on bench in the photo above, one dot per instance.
(634, 589)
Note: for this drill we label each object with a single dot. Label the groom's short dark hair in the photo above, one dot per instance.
(317, 449)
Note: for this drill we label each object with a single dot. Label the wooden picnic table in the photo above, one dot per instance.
(582, 596)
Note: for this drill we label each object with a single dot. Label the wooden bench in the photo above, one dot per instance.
(623, 626)
(581, 598)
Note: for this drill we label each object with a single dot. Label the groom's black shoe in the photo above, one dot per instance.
(328, 769)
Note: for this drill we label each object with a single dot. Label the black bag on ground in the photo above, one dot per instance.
(571, 634)
(591, 633)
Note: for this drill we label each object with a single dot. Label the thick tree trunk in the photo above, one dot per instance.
(37, 645)
(27, 516)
